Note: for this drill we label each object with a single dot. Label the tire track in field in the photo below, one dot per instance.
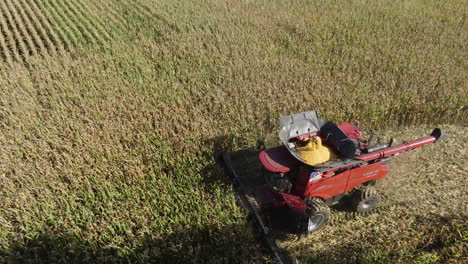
(44, 28)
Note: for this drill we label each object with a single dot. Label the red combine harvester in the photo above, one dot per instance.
(306, 190)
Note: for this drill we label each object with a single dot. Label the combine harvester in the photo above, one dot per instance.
(318, 163)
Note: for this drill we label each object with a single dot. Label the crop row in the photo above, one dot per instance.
(39, 28)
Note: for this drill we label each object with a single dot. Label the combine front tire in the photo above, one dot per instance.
(366, 199)
(317, 212)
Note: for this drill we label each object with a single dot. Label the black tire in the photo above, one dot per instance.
(366, 199)
(318, 213)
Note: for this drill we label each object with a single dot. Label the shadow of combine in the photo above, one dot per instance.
(246, 161)
(243, 170)
(206, 245)
(211, 244)
(221, 243)
(226, 244)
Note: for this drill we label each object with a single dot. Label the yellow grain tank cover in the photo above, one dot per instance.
(315, 153)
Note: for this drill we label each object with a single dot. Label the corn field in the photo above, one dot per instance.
(111, 112)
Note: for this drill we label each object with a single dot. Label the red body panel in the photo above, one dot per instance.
(268, 198)
(294, 202)
(374, 171)
(278, 159)
(328, 187)
(353, 132)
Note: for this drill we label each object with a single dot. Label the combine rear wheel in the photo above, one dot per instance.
(317, 212)
(366, 199)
